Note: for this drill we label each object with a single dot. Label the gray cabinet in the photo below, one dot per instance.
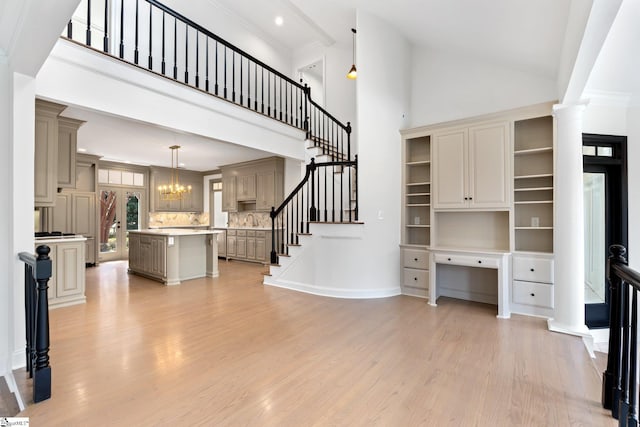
(222, 242)
(46, 152)
(148, 255)
(241, 244)
(256, 185)
(231, 243)
(75, 212)
(248, 244)
(62, 213)
(67, 147)
(192, 202)
(67, 283)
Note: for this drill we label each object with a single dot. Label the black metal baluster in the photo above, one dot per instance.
(326, 211)
(286, 247)
(186, 53)
(312, 207)
(121, 29)
(633, 353)
(262, 91)
(248, 83)
(297, 218)
(206, 77)
(282, 232)
(150, 38)
(286, 98)
(175, 49)
(255, 87)
(225, 71)
(273, 257)
(298, 107)
(135, 51)
(197, 59)
(105, 39)
(280, 99)
(216, 85)
(268, 94)
(88, 35)
(163, 43)
(70, 30)
(355, 178)
(241, 98)
(624, 371)
(233, 76)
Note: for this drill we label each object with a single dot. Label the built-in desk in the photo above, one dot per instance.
(473, 258)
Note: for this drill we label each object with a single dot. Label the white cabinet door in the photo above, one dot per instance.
(84, 214)
(488, 155)
(449, 167)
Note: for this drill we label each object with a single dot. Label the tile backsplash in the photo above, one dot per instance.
(249, 219)
(173, 219)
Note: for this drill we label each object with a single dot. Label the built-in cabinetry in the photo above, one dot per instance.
(253, 186)
(478, 193)
(67, 282)
(46, 152)
(67, 147)
(472, 166)
(222, 242)
(248, 244)
(192, 202)
(148, 255)
(416, 215)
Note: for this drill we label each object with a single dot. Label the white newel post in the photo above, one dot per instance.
(568, 240)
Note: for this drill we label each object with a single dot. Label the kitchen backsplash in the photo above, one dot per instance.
(249, 219)
(173, 219)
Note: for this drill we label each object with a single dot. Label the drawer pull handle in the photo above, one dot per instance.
(415, 278)
(479, 262)
(415, 259)
(532, 269)
(448, 259)
(532, 294)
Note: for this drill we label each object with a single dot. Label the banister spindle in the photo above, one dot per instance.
(197, 59)
(105, 39)
(286, 103)
(225, 71)
(233, 75)
(70, 30)
(262, 91)
(255, 87)
(248, 83)
(633, 360)
(241, 98)
(88, 34)
(135, 51)
(268, 94)
(121, 29)
(280, 118)
(186, 53)
(163, 46)
(215, 87)
(175, 48)
(206, 72)
(150, 37)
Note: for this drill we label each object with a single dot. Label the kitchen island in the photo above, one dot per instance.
(171, 255)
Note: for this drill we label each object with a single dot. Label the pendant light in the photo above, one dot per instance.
(174, 190)
(353, 73)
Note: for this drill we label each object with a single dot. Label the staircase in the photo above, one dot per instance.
(153, 37)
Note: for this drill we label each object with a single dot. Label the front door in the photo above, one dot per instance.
(605, 218)
(120, 211)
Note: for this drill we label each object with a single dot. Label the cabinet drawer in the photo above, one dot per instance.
(242, 233)
(532, 293)
(532, 269)
(415, 278)
(251, 233)
(468, 260)
(415, 258)
(231, 232)
(261, 234)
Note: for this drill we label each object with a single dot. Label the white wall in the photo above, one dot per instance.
(447, 87)
(294, 170)
(633, 178)
(6, 290)
(604, 119)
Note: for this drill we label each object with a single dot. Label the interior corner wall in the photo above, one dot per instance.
(604, 120)
(382, 96)
(447, 87)
(6, 295)
(633, 177)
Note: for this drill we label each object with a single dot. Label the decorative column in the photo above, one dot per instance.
(568, 237)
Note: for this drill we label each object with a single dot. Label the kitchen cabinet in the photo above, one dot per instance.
(67, 147)
(75, 212)
(471, 167)
(231, 243)
(415, 271)
(248, 244)
(147, 255)
(532, 291)
(192, 202)
(67, 282)
(253, 186)
(246, 187)
(46, 152)
(222, 242)
(62, 213)
(241, 244)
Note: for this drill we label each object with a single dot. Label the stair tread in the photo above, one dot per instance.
(336, 222)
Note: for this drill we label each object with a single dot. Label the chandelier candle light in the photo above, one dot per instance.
(175, 190)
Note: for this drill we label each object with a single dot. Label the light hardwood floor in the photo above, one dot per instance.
(232, 352)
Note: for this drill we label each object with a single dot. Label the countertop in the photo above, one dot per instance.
(242, 228)
(60, 239)
(174, 231)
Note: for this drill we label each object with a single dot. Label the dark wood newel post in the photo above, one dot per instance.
(611, 387)
(42, 375)
(312, 207)
(274, 255)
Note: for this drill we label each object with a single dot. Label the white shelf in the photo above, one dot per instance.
(417, 226)
(418, 194)
(534, 202)
(533, 189)
(533, 151)
(543, 175)
(533, 228)
(419, 162)
(418, 204)
(411, 184)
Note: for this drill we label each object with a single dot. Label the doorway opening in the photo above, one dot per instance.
(120, 211)
(605, 217)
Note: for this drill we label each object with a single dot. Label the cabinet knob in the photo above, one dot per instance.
(532, 269)
(466, 198)
(532, 294)
(415, 278)
(470, 198)
(448, 259)
(415, 259)
(479, 262)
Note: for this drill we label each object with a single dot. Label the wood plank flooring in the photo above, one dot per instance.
(232, 352)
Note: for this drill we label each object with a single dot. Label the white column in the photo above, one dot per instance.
(568, 240)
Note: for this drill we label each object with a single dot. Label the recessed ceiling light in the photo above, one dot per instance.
(279, 21)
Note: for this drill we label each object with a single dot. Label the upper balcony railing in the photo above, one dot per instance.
(152, 36)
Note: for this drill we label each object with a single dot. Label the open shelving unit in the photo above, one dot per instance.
(417, 192)
(533, 184)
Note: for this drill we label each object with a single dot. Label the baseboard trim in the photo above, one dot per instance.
(13, 388)
(19, 359)
(333, 292)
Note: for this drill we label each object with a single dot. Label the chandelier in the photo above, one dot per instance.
(175, 190)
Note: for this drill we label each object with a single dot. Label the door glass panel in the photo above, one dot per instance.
(108, 221)
(594, 237)
(133, 213)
